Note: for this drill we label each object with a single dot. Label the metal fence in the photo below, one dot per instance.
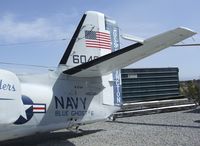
(149, 84)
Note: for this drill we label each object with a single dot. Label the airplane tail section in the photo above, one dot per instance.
(130, 54)
(94, 51)
(90, 41)
(95, 36)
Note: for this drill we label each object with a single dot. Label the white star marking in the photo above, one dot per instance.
(23, 114)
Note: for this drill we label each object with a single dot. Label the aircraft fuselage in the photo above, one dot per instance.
(50, 103)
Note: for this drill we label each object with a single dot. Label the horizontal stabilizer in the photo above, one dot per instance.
(132, 38)
(128, 55)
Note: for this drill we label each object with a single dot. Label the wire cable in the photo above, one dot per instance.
(27, 65)
(34, 42)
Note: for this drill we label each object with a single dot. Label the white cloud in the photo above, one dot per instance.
(12, 30)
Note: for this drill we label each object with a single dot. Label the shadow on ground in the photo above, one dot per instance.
(156, 124)
(195, 111)
(197, 121)
(48, 139)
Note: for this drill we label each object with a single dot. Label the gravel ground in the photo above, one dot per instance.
(166, 129)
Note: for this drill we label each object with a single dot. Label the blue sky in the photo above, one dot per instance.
(42, 20)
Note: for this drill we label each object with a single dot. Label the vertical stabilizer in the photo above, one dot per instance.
(90, 40)
(96, 36)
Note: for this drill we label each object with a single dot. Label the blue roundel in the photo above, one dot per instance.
(28, 103)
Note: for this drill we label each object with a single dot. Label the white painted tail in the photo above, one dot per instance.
(90, 40)
(95, 36)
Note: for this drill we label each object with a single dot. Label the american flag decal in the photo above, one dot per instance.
(39, 108)
(96, 39)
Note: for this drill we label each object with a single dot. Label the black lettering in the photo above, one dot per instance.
(9, 87)
(76, 59)
(90, 58)
(83, 101)
(64, 113)
(13, 88)
(0, 84)
(59, 102)
(4, 87)
(75, 103)
(69, 103)
(57, 113)
(83, 59)
(78, 113)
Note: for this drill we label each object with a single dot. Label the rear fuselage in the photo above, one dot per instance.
(52, 102)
